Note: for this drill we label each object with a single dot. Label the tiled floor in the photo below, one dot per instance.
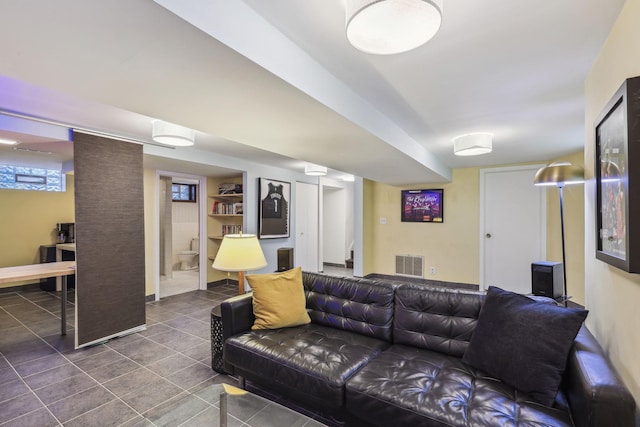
(159, 377)
(180, 282)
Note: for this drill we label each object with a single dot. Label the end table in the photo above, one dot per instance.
(217, 362)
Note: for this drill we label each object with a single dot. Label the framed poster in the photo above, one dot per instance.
(422, 205)
(617, 151)
(273, 208)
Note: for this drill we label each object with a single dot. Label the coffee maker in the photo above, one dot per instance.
(66, 232)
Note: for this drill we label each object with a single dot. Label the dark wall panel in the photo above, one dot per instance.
(109, 205)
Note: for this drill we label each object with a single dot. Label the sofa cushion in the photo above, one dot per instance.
(435, 319)
(310, 363)
(278, 300)
(407, 386)
(523, 342)
(358, 305)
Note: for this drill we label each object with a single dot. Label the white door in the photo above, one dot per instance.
(513, 227)
(306, 252)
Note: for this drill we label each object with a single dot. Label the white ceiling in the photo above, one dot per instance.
(276, 82)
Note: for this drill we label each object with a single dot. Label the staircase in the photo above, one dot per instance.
(349, 262)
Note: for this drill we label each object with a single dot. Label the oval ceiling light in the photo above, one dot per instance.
(8, 141)
(314, 170)
(170, 134)
(473, 144)
(386, 27)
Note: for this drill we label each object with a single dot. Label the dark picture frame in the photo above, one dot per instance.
(617, 163)
(423, 205)
(274, 199)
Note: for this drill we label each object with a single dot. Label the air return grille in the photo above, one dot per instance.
(410, 265)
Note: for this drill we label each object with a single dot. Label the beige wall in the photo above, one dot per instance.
(27, 220)
(612, 296)
(150, 232)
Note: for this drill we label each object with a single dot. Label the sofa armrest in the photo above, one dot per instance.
(595, 392)
(237, 315)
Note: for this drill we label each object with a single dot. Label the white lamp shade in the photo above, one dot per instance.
(239, 252)
(314, 170)
(385, 27)
(473, 144)
(170, 134)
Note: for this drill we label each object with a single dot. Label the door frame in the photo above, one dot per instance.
(543, 210)
(202, 227)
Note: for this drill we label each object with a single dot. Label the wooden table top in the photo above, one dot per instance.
(37, 271)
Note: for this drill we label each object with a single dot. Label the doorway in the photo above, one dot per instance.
(512, 227)
(179, 231)
(307, 227)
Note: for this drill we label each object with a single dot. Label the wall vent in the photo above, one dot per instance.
(410, 265)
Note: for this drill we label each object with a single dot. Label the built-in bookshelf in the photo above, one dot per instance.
(225, 216)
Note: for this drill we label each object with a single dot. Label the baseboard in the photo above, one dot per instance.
(333, 264)
(150, 298)
(222, 283)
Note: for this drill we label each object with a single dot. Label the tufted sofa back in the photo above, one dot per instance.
(435, 319)
(359, 305)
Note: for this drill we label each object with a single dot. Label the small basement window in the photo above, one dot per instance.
(31, 179)
(183, 192)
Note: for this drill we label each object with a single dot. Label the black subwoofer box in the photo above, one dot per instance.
(547, 279)
(285, 259)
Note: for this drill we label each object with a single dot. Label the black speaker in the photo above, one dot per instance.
(285, 259)
(546, 279)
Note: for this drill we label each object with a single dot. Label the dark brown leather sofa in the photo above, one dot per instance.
(385, 355)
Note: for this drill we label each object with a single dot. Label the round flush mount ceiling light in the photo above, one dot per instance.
(314, 170)
(386, 27)
(473, 144)
(170, 134)
(8, 141)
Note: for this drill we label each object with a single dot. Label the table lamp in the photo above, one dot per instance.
(239, 253)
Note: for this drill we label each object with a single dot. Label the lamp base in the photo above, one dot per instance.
(241, 283)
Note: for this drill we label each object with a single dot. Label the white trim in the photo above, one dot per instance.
(117, 335)
(543, 212)
(202, 227)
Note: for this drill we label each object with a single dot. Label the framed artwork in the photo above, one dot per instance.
(422, 205)
(617, 152)
(273, 215)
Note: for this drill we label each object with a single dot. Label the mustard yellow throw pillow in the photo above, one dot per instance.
(278, 300)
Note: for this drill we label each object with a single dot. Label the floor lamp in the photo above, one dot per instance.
(560, 174)
(239, 253)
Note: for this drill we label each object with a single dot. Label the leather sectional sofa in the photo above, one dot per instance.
(389, 355)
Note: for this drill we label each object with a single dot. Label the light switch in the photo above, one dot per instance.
(383, 220)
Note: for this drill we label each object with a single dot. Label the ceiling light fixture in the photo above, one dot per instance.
(386, 27)
(8, 141)
(473, 144)
(314, 170)
(170, 134)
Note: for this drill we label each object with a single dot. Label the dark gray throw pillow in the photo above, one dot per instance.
(524, 343)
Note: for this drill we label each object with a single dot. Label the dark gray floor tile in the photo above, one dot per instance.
(245, 407)
(169, 336)
(170, 365)
(201, 353)
(186, 343)
(18, 406)
(176, 411)
(112, 414)
(114, 370)
(209, 390)
(133, 381)
(119, 342)
(48, 327)
(62, 343)
(78, 404)
(154, 329)
(145, 351)
(192, 375)
(7, 321)
(14, 336)
(162, 315)
(10, 300)
(99, 359)
(138, 422)
(40, 417)
(76, 355)
(211, 418)
(202, 315)
(27, 351)
(8, 374)
(65, 388)
(54, 375)
(274, 415)
(36, 316)
(13, 389)
(154, 394)
(40, 365)
(3, 362)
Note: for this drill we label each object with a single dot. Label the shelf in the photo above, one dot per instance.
(226, 196)
(227, 215)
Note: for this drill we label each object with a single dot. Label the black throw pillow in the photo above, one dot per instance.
(524, 343)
